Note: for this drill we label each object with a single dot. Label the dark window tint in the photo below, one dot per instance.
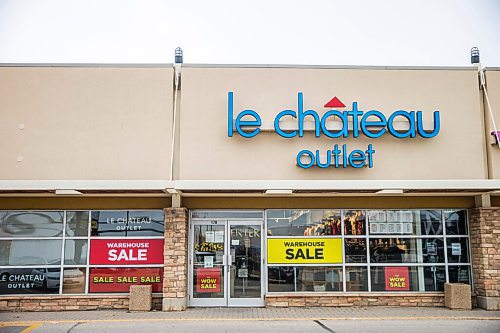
(355, 250)
(33, 280)
(411, 250)
(127, 223)
(281, 279)
(304, 279)
(455, 222)
(457, 249)
(459, 274)
(430, 222)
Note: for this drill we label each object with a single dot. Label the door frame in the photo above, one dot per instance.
(226, 301)
(248, 302)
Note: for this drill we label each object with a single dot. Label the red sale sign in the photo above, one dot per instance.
(126, 251)
(208, 280)
(397, 279)
(119, 280)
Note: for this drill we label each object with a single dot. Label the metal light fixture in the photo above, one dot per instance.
(474, 55)
(179, 56)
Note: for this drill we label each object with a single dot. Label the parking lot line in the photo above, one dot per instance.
(35, 324)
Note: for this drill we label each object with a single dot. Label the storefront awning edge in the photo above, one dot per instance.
(479, 185)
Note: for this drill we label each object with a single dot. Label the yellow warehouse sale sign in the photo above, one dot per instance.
(304, 251)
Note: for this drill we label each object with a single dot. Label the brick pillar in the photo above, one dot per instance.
(175, 274)
(485, 247)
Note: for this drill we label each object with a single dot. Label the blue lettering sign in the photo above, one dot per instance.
(373, 124)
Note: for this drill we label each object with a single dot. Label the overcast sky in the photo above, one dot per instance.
(384, 32)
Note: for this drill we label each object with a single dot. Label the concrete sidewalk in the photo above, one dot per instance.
(249, 314)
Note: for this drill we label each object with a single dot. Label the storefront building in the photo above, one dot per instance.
(247, 185)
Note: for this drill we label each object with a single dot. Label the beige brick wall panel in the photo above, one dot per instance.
(68, 303)
(175, 255)
(429, 300)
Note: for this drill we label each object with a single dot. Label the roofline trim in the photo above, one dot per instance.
(171, 65)
(328, 185)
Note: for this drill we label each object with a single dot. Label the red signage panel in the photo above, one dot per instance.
(208, 280)
(119, 280)
(397, 279)
(126, 251)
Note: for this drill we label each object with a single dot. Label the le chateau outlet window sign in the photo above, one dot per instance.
(334, 124)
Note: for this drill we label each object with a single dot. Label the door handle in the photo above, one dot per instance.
(229, 261)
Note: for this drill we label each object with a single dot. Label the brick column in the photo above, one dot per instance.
(485, 247)
(175, 274)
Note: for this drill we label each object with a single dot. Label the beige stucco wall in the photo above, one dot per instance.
(208, 153)
(85, 123)
(493, 88)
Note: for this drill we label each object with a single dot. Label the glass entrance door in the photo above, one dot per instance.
(226, 263)
(245, 267)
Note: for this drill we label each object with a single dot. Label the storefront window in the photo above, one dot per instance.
(458, 250)
(305, 279)
(302, 222)
(77, 224)
(31, 224)
(406, 250)
(404, 278)
(119, 280)
(32, 280)
(405, 222)
(281, 279)
(74, 280)
(356, 279)
(430, 222)
(75, 252)
(21, 252)
(127, 223)
(54, 246)
(403, 250)
(459, 274)
(456, 222)
(354, 222)
(355, 250)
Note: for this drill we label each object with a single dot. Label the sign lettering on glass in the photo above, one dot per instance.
(396, 279)
(304, 250)
(119, 280)
(208, 280)
(126, 252)
(395, 222)
(31, 280)
(127, 223)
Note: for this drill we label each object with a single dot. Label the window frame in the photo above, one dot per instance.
(367, 236)
(87, 266)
